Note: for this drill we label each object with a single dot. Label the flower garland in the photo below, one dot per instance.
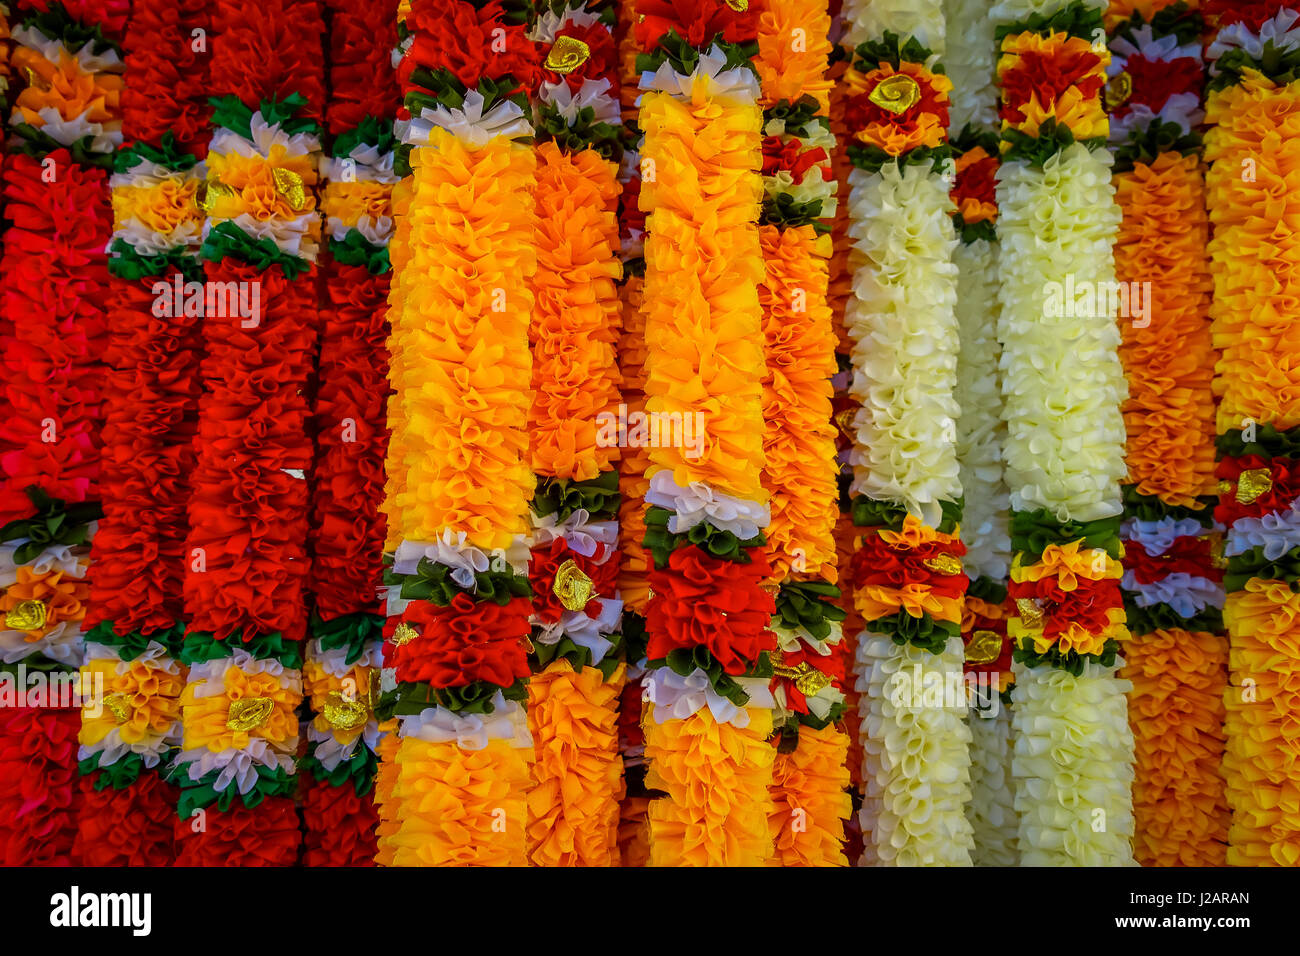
(981, 435)
(839, 290)
(573, 697)
(1062, 385)
(1252, 109)
(455, 657)
(1172, 591)
(337, 769)
(65, 125)
(906, 573)
(708, 710)
(136, 619)
(799, 472)
(246, 555)
(633, 575)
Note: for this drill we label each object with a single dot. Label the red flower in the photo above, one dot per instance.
(39, 797)
(347, 533)
(338, 826)
(362, 81)
(778, 156)
(543, 564)
(248, 513)
(860, 112)
(130, 827)
(1188, 554)
(1086, 605)
(601, 64)
(466, 641)
(1284, 474)
(266, 835)
(1047, 76)
(697, 21)
(270, 49)
(1253, 13)
(168, 88)
(701, 601)
(894, 566)
(1155, 81)
(976, 178)
(471, 43)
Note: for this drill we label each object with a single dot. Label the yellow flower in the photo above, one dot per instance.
(205, 718)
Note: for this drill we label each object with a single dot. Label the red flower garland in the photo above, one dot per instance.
(39, 798)
(265, 835)
(167, 90)
(347, 533)
(247, 513)
(340, 825)
(53, 275)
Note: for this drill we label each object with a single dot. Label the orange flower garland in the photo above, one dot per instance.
(799, 472)
(1253, 113)
(1177, 664)
(709, 710)
(454, 660)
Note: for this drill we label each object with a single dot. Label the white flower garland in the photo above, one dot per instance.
(1062, 381)
(916, 776)
(992, 811)
(902, 322)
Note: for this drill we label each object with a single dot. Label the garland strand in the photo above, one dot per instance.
(1173, 591)
(341, 671)
(709, 710)
(981, 434)
(633, 576)
(906, 497)
(136, 620)
(573, 807)
(1062, 385)
(799, 471)
(1253, 110)
(246, 557)
(65, 126)
(455, 657)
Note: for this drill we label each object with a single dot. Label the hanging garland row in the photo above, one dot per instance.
(1172, 588)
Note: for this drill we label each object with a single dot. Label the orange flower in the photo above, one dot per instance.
(66, 88)
(788, 69)
(206, 718)
(64, 598)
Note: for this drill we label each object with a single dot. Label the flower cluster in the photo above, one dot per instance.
(710, 644)
(574, 566)
(340, 676)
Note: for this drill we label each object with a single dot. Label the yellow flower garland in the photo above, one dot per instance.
(463, 300)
